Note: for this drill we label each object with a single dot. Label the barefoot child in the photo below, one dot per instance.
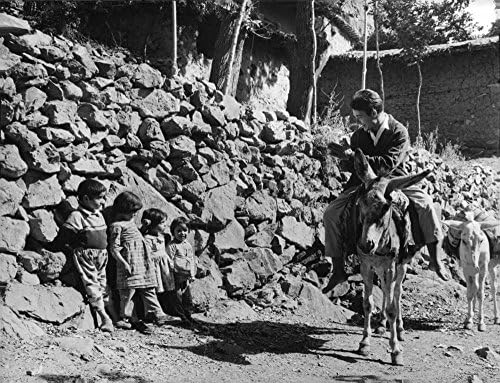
(181, 252)
(135, 269)
(83, 235)
(154, 227)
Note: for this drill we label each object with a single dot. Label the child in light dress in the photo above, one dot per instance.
(135, 269)
(154, 227)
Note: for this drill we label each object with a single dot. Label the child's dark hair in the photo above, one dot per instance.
(151, 218)
(367, 101)
(90, 188)
(126, 203)
(178, 222)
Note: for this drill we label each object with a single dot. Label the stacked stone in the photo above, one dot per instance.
(246, 178)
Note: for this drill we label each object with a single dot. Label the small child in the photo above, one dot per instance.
(83, 235)
(154, 226)
(181, 252)
(135, 270)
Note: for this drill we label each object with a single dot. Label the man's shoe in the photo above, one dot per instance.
(337, 278)
(163, 319)
(107, 326)
(440, 270)
(124, 324)
(142, 327)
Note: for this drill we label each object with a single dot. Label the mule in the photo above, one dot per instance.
(475, 260)
(381, 248)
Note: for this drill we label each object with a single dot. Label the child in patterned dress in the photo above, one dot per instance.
(181, 252)
(154, 228)
(135, 270)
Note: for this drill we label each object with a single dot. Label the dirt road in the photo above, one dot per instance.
(271, 348)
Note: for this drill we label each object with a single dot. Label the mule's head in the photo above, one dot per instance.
(374, 202)
(473, 241)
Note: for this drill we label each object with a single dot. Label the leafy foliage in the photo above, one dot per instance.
(414, 24)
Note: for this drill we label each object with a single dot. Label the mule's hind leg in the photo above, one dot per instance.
(398, 289)
(367, 273)
(493, 283)
(480, 299)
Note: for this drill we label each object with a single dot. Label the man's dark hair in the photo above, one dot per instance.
(367, 101)
(90, 188)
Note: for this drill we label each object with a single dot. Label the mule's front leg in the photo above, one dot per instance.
(480, 297)
(493, 283)
(382, 325)
(367, 273)
(392, 314)
(471, 295)
(398, 289)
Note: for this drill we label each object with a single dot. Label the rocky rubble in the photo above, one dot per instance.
(249, 180)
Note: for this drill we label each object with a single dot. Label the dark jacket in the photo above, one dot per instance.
(393, 143)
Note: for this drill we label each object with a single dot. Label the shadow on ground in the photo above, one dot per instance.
(115, 377)
(235, 341)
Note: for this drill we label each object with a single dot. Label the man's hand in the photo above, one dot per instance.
(340, 151)
(128, 269)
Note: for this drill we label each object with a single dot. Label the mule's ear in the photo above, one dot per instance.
(405, 181)
(489, 224)
(451, 223)
(363, 169)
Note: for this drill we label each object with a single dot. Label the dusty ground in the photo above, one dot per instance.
(272, 348)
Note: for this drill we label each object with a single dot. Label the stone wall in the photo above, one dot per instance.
(460, 93)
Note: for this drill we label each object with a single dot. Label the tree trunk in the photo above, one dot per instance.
(379, 65)
(302, 67)
(228, 52)
(365, 43)
(174, 37)
(420, 80)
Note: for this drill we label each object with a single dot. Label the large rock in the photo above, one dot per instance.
(230, 239)
(261, 206)
(87, 167)
(34, 99)
(263, 262)
(30, 260)
(7, 87)
(13, 234)
(263, 237)
(314, 304)
(8, 60)
(42, 191)
(8, 268)
(296, 232)
(10, 197)
(27, 75)
(175, 126)
(150, 130)
(13, 326)
(45, 303)
(230, 311)
(220, 173)
(157, 104)
(205, 293)
(44, 159)
(274, 132)
(43, 227)
(29, 42)
(219, 204)
(25, 139)
(232, 108)
(61, 112)
(11, 163)
(83, 56)
(182, 146)
(239, 278)
(94, 117)
(14, 25)
(51, 265)
(147, 77)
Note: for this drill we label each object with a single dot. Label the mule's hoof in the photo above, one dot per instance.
(468, 325)
(401, 335)
(481, 327)
(364, 349)
(497, 320)
(380, 330)
(397, 358)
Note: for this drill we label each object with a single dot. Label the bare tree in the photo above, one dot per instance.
(174, 37)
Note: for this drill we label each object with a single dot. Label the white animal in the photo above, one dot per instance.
(475, 260)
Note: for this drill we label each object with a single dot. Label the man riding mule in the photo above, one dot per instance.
(385, 142)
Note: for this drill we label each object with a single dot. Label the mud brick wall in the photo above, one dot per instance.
(460, 92)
